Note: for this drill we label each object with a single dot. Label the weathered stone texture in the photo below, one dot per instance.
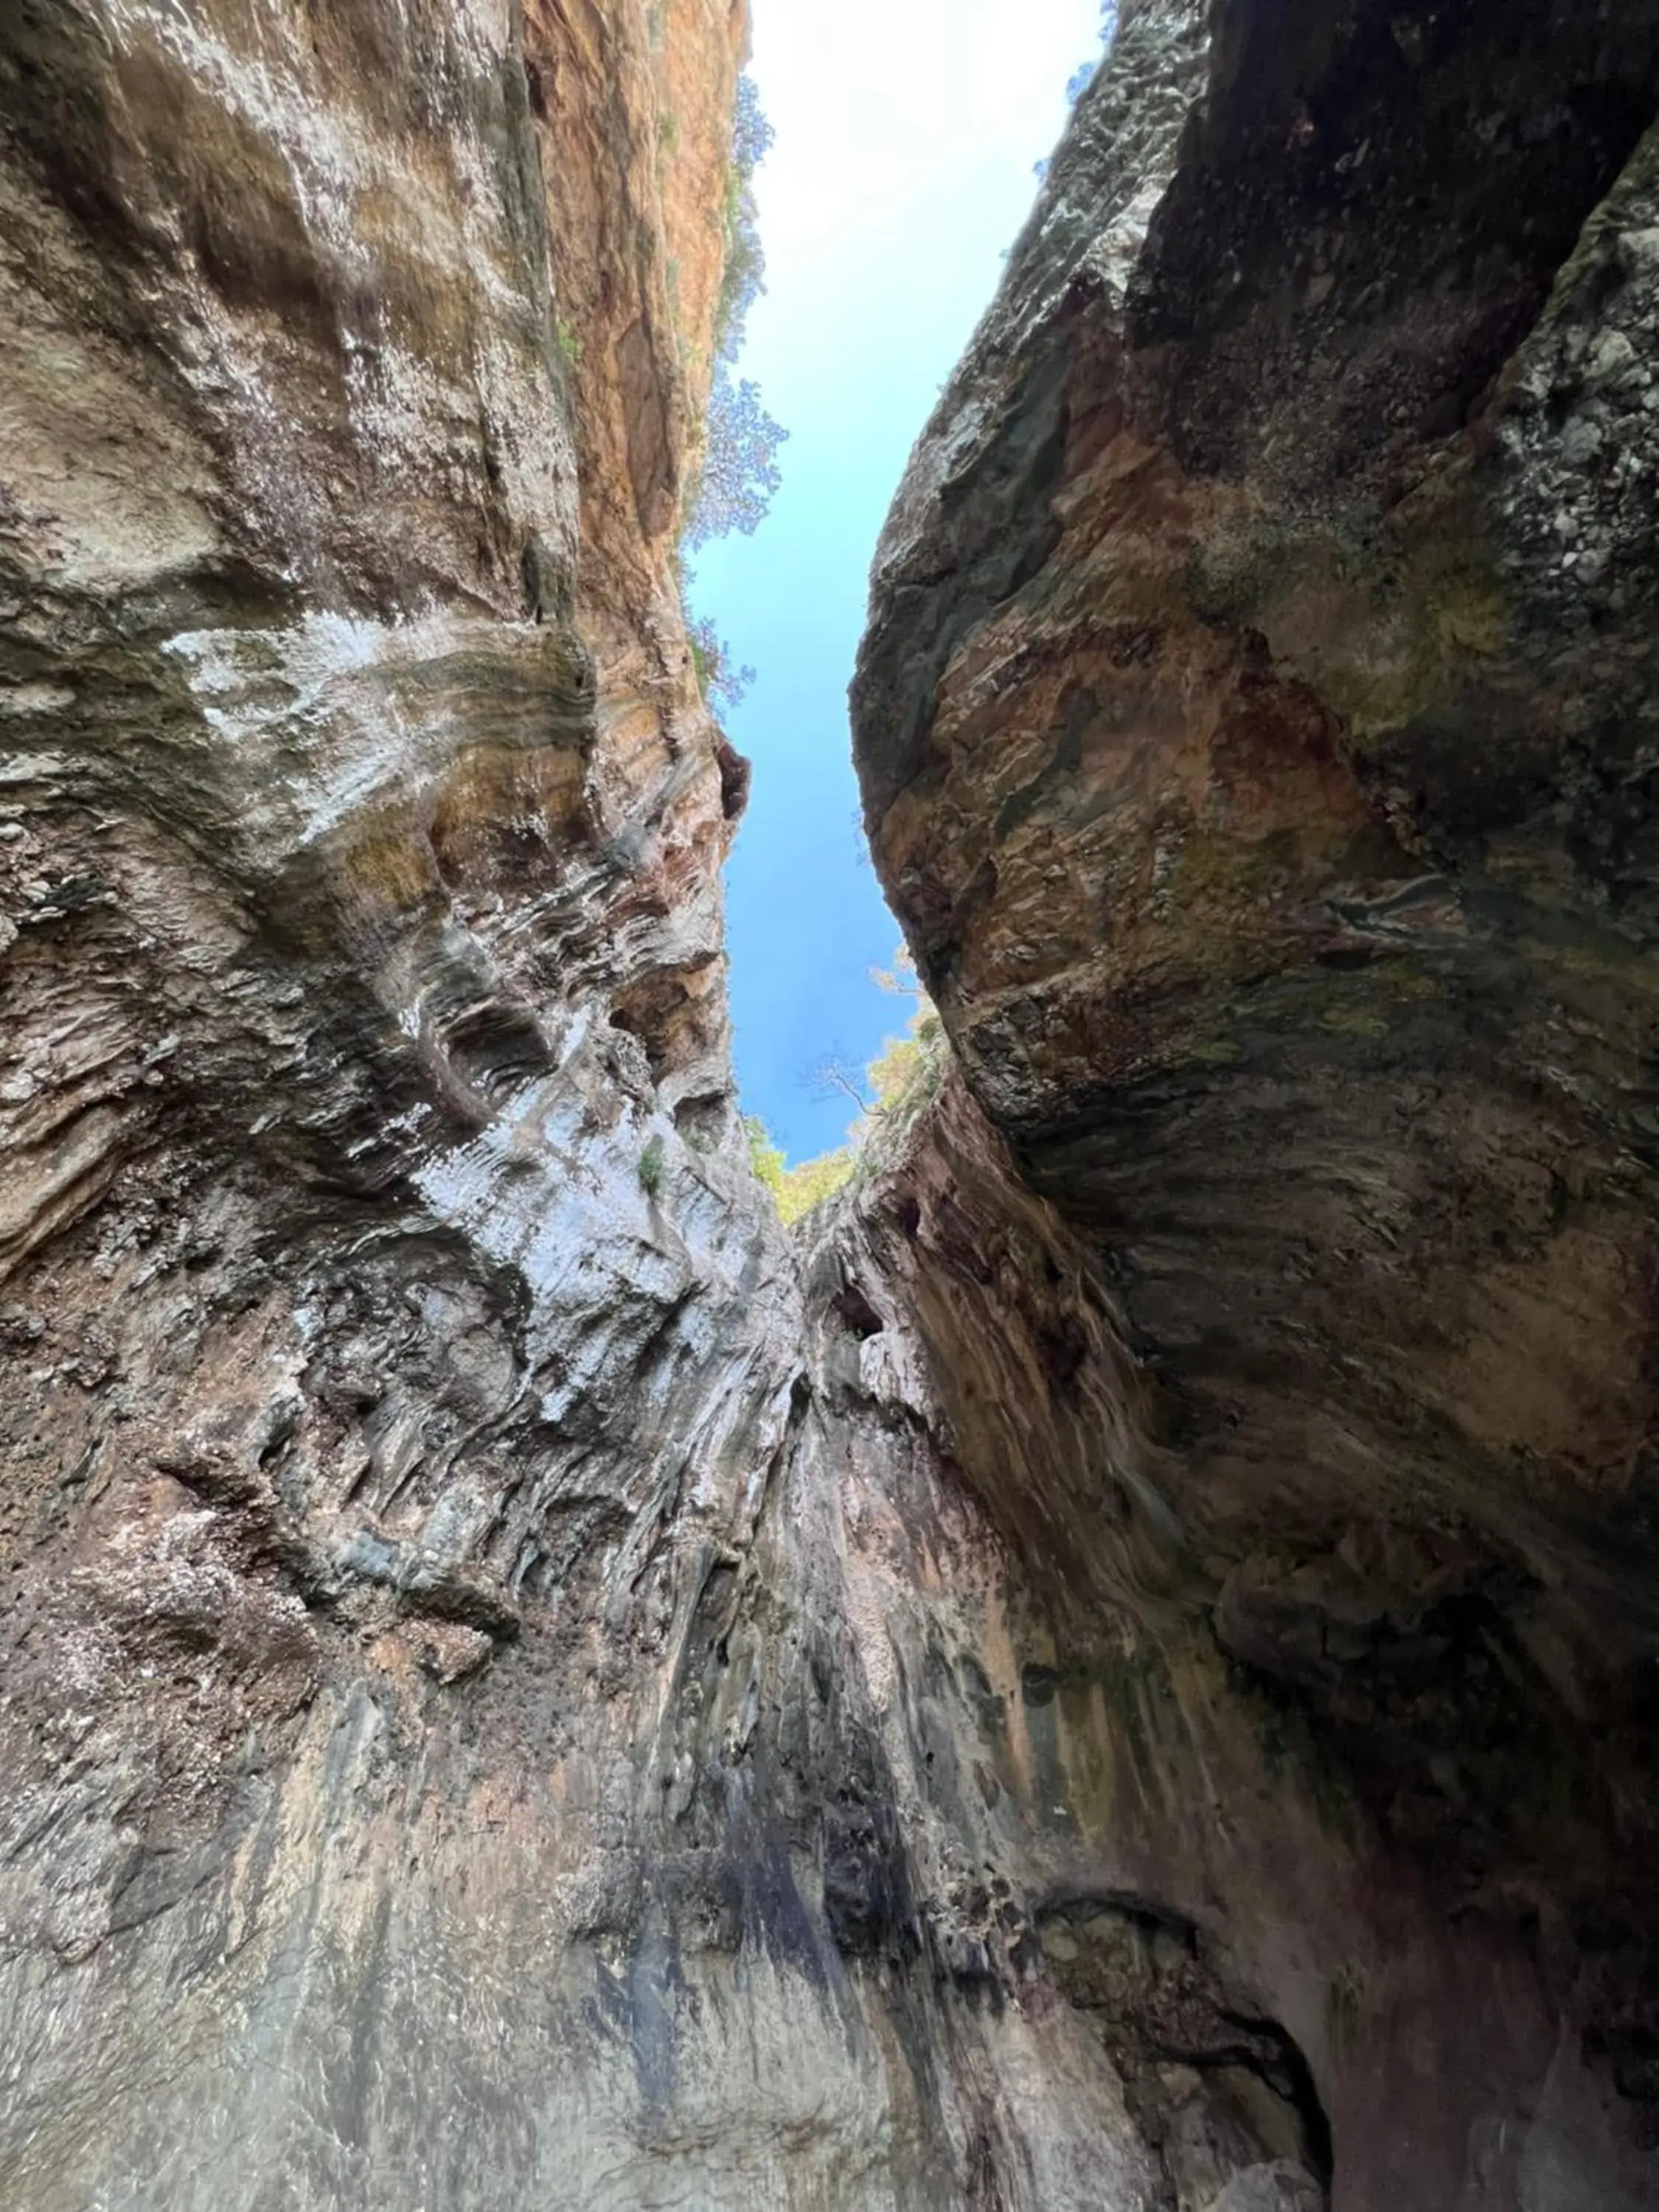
(1117, 1673)
(1257, 732)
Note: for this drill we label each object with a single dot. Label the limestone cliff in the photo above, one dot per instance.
(1257, 733)
(1119, 1672)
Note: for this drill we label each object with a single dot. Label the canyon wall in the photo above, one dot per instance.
(1257, 734)
(1117, 1669)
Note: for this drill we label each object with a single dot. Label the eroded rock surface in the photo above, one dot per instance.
(1118, 1675)
(1257, 732)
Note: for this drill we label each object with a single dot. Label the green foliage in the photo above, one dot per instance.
(720, 679)
(814, 1181)
(795, 1191)
(1082, 76)
(570, 344)
(737, 471)
(764, 1156)
(652, 1160)
(903, 1078)
(900, 980)
(744, 277)
(905, 1073)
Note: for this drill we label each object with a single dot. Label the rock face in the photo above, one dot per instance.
(1258, 739)
(1120, 1674)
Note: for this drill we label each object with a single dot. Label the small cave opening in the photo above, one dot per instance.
(1218, 2084)
(701, 1120)
(858, 1317)
(736, 774)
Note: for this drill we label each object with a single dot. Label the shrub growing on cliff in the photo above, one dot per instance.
(720, 681)
(752, 135)
(795, 1191)
(903, 1079)
(764, 1156)
(743, 278)
(1083, 75)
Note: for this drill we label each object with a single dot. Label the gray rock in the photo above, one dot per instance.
(1275, 2188)
(522, 1688)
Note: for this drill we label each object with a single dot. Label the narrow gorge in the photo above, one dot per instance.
(1114, 1668)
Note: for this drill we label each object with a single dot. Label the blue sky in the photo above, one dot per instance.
(907, 131)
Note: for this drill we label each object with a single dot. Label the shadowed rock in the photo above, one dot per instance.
(1115, 1672)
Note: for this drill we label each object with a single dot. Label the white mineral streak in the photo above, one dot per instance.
(332, 712)
(433, 205)
(36, 698)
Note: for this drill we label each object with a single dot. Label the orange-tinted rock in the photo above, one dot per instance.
(521, 1686)
(1256, 731)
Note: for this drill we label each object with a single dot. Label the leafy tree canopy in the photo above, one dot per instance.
(739, 471)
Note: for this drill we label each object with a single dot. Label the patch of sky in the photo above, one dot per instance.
(906, 133)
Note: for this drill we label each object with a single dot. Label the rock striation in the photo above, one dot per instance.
(1118, 1671)
(1256, 730)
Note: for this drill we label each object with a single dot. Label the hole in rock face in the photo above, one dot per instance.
(1062, 1346)
(666, 1015)
(496, 1046)
(701, 1121)
(736, 775)
(855, 1310)
(1222, 2088)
